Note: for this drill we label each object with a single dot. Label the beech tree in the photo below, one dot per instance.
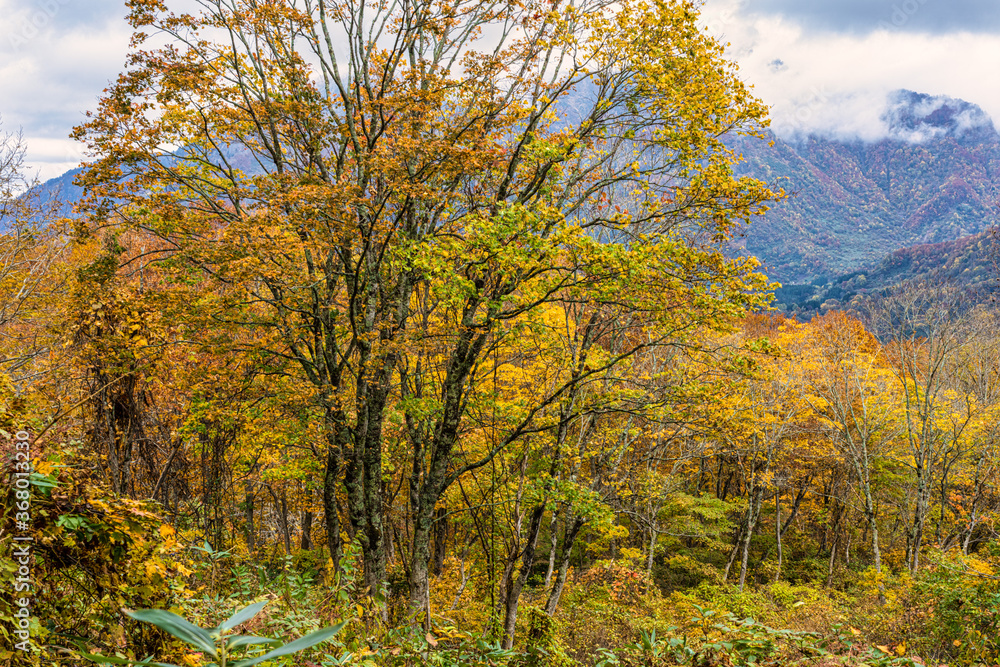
(392, 195)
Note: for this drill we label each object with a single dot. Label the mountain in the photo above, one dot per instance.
(860, 215)
(56, 196)
(969, 263)
(934, 177)
(62, 194)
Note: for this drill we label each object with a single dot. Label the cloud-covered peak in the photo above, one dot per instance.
(900, 115)
(917, 118)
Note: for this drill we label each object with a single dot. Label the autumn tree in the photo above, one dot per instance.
(924, 327)
(30, 245)
(856, 394)
(389, 194)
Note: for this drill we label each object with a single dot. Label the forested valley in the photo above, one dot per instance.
(402, 333)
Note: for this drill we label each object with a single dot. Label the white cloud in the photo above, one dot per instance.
(57, 56)
(836, 84)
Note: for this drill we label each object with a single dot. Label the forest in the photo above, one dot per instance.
(402, 333)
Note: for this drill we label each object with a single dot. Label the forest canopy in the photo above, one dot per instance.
(416, 315)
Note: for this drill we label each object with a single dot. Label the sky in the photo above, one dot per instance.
(824, 66)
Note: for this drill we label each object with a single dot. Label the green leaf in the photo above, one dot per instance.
(178, 627)
(109, 660)
(246, 640)
(241, 616)
(43, 481)
(294, 647)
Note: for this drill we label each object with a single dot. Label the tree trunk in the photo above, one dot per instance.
(833, 558)
(915, 535)
(286, 531)
(248, 504)
(281, 505)
(553, 543)
(876, 548)
(307, 522)
(440, 541)
(753, 512)
(777, 531)
(652, 550)
(516, 584)
(573, 526)
(974, 510)
(330, 513)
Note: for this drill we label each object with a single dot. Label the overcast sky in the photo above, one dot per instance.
(823, 65)
(826, 66)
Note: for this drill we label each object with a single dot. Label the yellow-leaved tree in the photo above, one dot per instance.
(390, 194)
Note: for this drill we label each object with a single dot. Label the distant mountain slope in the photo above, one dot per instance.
(935, 178)
(969, 263)
(58, 195)
(62, 192)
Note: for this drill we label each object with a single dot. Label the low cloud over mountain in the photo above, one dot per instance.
(933, 176)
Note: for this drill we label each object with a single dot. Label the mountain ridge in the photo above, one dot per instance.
(934, 177)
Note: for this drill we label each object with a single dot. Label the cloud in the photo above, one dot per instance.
(56, 56)
(836, 83)
(865, 16)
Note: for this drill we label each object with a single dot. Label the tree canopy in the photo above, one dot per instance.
(396, 201)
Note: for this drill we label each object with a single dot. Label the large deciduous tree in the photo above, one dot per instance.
(393, 194)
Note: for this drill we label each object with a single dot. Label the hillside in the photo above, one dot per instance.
(968, 262)
(934, 178)
(60, 192)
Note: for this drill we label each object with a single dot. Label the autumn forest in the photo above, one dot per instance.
(412, 333)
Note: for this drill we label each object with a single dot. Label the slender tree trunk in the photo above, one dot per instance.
(281, 504)
(829, 567)
(915, 535)
(777, 531)
(307, 522)
(553, 543)
(652, 550)
(391, 537)
(248, 503)
(285, 528)
(872, 526)
(573, 526)
(734, 552)
(974, 510)
(516, 583)
(877, 554)
(753, 512)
